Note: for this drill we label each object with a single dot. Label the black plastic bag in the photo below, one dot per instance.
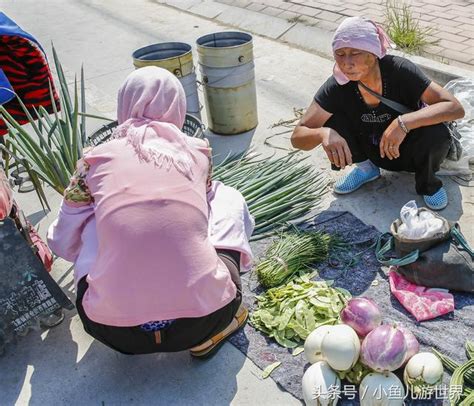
(444, 262)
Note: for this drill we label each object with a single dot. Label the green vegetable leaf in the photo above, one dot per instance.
(297, 351)
(269, 369)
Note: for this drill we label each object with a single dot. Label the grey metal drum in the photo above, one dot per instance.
(177, 58)
(228, 76)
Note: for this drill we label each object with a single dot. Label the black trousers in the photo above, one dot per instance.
(181, 335)
(422, 152)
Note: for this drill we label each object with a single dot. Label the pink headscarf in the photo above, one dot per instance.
(151, 111)
(359, 33)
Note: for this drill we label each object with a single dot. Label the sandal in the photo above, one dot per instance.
(210, 347)
(354, 180)
(438, 200)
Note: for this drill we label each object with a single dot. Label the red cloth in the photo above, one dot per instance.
(27, 70)
(423, 303)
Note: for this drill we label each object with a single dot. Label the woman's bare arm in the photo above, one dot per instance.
(442, 106)
(309, 133)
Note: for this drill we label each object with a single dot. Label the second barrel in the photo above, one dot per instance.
(228, 77)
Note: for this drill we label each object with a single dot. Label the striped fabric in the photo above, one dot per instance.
(27, 70)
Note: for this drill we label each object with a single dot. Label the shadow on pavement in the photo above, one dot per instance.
(67, 366)
(378, 203)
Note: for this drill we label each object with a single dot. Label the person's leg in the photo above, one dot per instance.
(432, 145)
(127, 340)
(365, 171)
(422, 152)
(239, 314)
(338, 122)
(181, 334)
(435, 142)
(231, 260)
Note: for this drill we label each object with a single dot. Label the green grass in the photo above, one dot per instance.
(404, 29)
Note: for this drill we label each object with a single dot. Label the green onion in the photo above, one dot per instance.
(290, 253)
(451, 366)
(457, 379)
(278, 191)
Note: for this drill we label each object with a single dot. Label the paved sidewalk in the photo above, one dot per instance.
(452, 21)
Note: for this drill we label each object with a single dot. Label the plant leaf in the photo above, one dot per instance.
(297, 351)
(269, 369)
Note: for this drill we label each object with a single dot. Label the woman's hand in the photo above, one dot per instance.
(336, 148)
(391, 140)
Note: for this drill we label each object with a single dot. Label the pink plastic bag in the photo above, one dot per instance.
(423, 303)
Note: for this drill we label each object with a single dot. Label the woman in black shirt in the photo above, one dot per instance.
(354, 126)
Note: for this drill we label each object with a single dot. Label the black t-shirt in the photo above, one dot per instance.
(402, 81)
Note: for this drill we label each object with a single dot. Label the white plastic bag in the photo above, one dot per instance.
(463, 90)
(416, 226)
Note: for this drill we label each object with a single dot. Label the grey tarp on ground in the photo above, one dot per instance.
(447, 333)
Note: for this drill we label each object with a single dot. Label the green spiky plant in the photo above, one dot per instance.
(404, 29)
(51, 150)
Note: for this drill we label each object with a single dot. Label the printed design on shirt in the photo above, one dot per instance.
(156, 325)
(373, 118)
(78, 191)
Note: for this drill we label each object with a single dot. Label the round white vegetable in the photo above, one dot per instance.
(341, 347)
(312, 344)
(378, 389)
(423, 373)
(321, 385)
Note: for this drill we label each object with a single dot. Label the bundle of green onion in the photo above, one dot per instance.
(277, 191)
(289, 313)
(462, 376)
(290, 253)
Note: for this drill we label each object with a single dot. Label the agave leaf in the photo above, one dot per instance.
(15, 149)
(31, 120)
(37, 185)
(83, 109)
(96, 116)
(63, 139)
(76, 147)
(45, 155)
(63, 85)
(23, 142)
(32, 174)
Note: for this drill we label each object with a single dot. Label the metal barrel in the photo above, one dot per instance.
(228, 77)
(177, 58)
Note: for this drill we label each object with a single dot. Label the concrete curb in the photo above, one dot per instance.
(309, 38)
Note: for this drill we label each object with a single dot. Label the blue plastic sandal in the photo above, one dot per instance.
(354, 180)
(438, 201)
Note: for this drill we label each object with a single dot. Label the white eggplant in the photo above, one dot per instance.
(321, 385)
(312, 344)
(340, 347)
(423, 372)
(381, 389)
